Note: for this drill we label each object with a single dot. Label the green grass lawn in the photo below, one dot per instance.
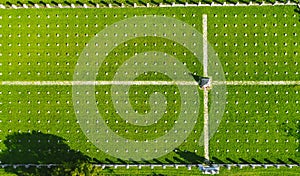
(260, 125)
(44, 45)
(256, 44)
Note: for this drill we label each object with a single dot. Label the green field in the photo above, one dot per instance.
(38, 124)
(258, 126)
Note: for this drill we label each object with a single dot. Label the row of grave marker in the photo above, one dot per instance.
(122, 5)
(164, 166)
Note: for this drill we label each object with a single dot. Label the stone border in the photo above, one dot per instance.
(134, 5)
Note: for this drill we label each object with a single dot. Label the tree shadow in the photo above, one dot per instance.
(293, 161)
(178, 160)
(92, 3)
(167, 2)
(194, 1)
(133, 161)
(256, 161)
(108, 161)
(190, 157)
(244, 161)
(217, 160)
(232, 1)
(43, 3)
(79, 3)
(104, 3)
(121, 161)
(154, 2)
(142, 2)
(31, 3)
(145, 161)
(297, 10)
(156, 174)
(169, 161)
(179, 1)
(157, 161)
(206, 1)
(293, 131)
(202, 81)
(9, 4)
(67, 3)
(279, 161)
(270, 1)
(37, 148)
(231, 161)
(130, 3)
(196, 77)
(119, 4)
(19, 3)
(54, 2)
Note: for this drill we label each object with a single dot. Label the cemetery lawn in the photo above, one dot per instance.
(252, 43)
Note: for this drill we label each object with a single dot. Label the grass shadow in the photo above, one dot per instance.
(37, 148)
